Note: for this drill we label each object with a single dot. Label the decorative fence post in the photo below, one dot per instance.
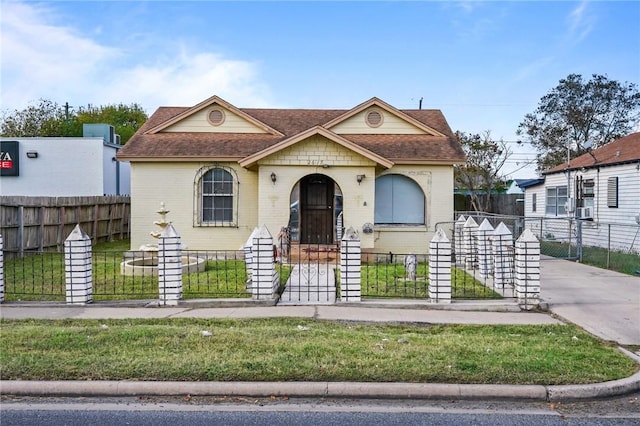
(78, 267)
(248, 256)
(1, 270)
(458, 240)
(470, 235)
(264, 277)
(527, 266)
(350, 267)
(485, 255)
(440, 268)
(502, 257)
(169, 266)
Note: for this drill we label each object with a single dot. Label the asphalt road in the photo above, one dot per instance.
(197, 418)
(282, 411)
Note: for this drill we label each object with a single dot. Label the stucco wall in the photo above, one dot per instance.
(317, 155)
(173, 184)
(264, 202)
(436, 183)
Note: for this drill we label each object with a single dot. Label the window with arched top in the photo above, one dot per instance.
(216, 190)
(399, 201)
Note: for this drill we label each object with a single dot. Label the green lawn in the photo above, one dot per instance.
(390, 280)
(290, 349)
(42, 277)
(626, 263)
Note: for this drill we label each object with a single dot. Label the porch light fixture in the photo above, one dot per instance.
(274, 178)
(32, 154)
(359, 178)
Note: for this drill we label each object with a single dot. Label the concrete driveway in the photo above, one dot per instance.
(604, 303)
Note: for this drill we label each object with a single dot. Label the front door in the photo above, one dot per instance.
(316, 209)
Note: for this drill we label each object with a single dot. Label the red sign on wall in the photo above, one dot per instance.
(9, 158)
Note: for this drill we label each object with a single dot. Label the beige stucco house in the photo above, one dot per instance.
(223, 170)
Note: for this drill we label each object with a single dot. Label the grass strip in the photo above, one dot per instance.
(626, 263)
(285, 349)
(391, 280)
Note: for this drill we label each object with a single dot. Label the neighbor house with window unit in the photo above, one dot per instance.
(223, 170)
(599, 187)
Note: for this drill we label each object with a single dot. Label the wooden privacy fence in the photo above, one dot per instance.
(505, 204)
(43, 223)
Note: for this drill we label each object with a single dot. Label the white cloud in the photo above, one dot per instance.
(43, 59)
(581, 22)
(529, 71)
(186, 79)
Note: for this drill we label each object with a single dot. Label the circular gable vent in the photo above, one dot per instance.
(374, 118)
(216, 116)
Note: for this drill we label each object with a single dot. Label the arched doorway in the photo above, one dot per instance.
(316, 204)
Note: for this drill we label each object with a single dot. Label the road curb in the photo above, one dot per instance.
(323, 389)
(595, 390)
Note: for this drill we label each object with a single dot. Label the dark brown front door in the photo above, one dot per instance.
(316, 210)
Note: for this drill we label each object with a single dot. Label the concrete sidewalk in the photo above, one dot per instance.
(388, 312)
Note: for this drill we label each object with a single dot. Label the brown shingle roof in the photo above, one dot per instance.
(623, 150)
(290, 122)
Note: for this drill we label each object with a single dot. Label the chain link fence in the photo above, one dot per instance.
(613, 246)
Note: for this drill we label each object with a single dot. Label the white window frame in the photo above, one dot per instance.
(200, 217)
(554, 204)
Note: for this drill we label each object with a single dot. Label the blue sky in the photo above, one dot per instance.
(484, 64)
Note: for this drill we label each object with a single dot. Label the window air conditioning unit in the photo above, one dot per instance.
(585, 213)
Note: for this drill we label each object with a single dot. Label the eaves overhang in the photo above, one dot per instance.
(251, 160)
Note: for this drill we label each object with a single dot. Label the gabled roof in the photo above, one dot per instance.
(620, 151)
(385, 106)
(205, 104)
(318, 130)
(437, 145)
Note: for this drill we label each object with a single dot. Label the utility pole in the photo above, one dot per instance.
(66, 110)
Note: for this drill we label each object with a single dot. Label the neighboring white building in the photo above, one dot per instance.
(602, 187)
(517, 186)
(52, 166)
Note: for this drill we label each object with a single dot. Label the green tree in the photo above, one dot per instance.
(481, 173)
(47, 118)
(126, 119)
(577, 114)
(42, 118)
